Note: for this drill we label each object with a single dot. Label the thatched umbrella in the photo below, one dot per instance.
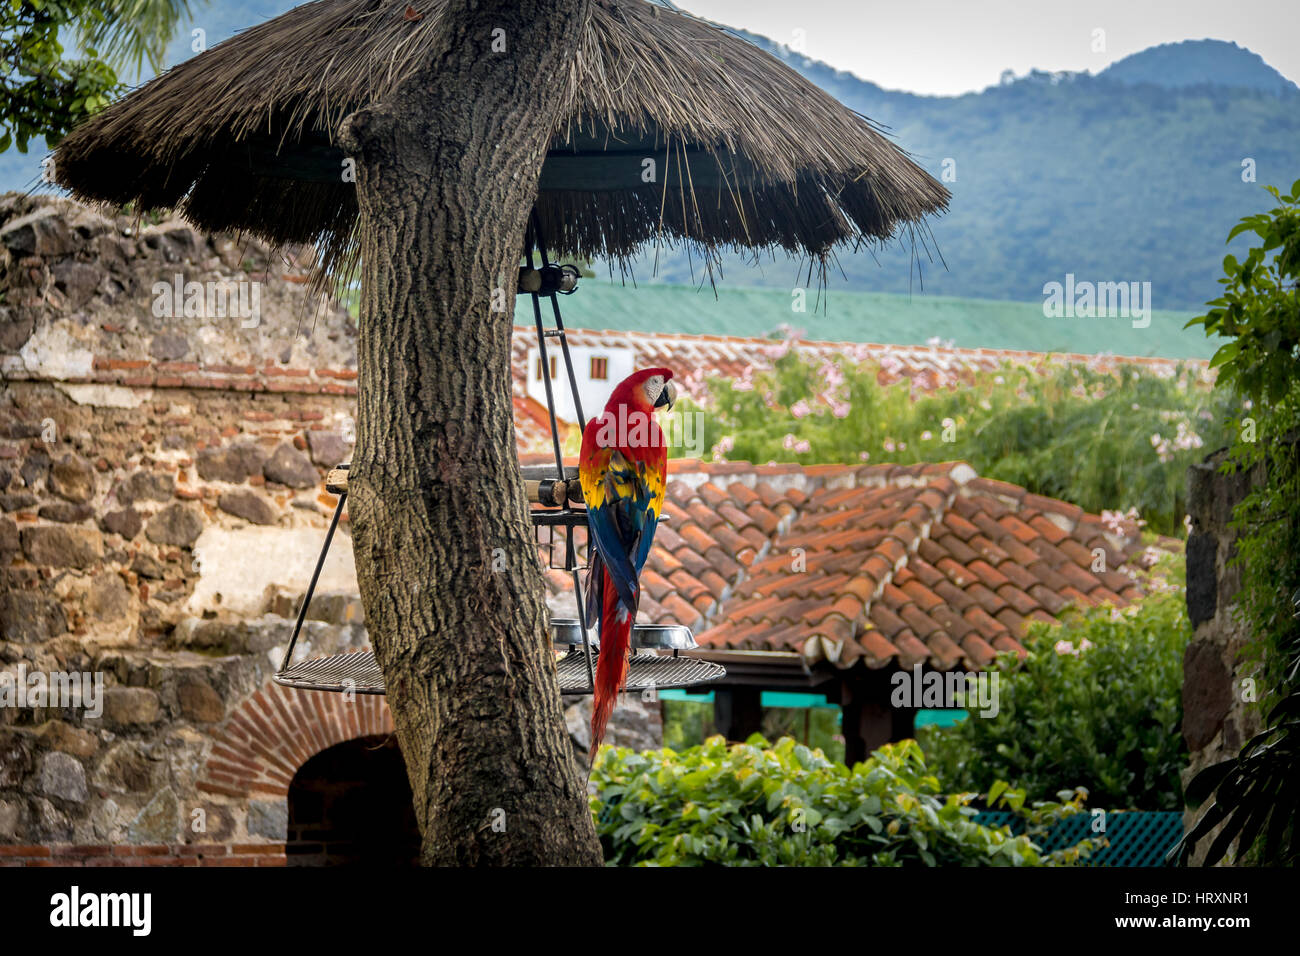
(748, 153)
(620, 122)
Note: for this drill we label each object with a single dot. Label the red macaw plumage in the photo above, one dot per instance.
(623, 470)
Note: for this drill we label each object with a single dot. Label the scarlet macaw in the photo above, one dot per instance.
(623, 470)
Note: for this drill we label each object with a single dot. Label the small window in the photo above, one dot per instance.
(539, 368)
(599, 369)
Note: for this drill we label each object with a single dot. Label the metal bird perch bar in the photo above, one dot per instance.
(656, 662)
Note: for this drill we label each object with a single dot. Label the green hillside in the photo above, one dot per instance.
(870, 317)
(1061, 173)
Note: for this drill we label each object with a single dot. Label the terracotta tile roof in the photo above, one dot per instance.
(533, 427)
(881, 564)
(726, 355)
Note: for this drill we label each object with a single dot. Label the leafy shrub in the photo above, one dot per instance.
(1255, 794)
(1259, 310)
(1100, 439)
(688, 724)
(1097, 703)
(758, 804)
(1251, 800)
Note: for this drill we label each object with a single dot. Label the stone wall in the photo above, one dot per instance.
(1217, 719)
(103, 547)
(161, 510)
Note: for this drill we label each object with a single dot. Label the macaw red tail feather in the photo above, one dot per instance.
(611, 666)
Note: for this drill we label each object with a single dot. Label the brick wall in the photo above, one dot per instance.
(181, 854)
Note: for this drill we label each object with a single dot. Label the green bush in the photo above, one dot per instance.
(758, 804)
(1104, 713)
(1100, 439)
(1259, 310)
(689, 724)
(1248, 803)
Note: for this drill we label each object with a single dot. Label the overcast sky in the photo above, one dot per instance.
(957, 46)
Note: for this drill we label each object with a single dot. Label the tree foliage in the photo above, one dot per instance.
(1259, 310)
(47, 89)
(1252, 801)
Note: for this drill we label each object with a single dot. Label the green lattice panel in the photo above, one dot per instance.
(1137, 837)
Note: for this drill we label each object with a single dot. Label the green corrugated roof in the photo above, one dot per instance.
(869, 317)
(772, 698)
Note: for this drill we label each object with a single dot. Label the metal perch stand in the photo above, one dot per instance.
(556, 490)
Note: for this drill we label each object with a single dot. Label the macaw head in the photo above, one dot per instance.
(645, 390)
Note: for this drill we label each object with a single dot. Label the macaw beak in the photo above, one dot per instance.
(667, 397)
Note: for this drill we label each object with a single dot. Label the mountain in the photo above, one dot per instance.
(1199, 62)
(1135, 174)
(1056, 173)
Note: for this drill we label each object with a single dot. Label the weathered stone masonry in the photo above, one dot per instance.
(134, 447)
(161, 509)
(1217, 720)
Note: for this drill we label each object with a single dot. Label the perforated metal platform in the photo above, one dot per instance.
(662, 673)
(359, 673)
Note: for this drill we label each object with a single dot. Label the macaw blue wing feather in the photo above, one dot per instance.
(603, 522)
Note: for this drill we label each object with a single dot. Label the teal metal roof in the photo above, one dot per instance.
(1137, 837)
(871, 317)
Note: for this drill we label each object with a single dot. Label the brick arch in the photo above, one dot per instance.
(276, 730)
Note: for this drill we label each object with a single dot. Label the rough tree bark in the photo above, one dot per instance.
(447, 171)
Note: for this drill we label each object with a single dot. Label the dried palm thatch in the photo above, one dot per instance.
(747, 153)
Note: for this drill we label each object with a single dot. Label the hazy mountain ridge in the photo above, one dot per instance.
(1071, 173)
(1170, 65)
(1199, 62)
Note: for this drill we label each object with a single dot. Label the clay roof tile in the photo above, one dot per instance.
(712, 495)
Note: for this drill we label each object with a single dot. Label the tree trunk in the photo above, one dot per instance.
(447, 172)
